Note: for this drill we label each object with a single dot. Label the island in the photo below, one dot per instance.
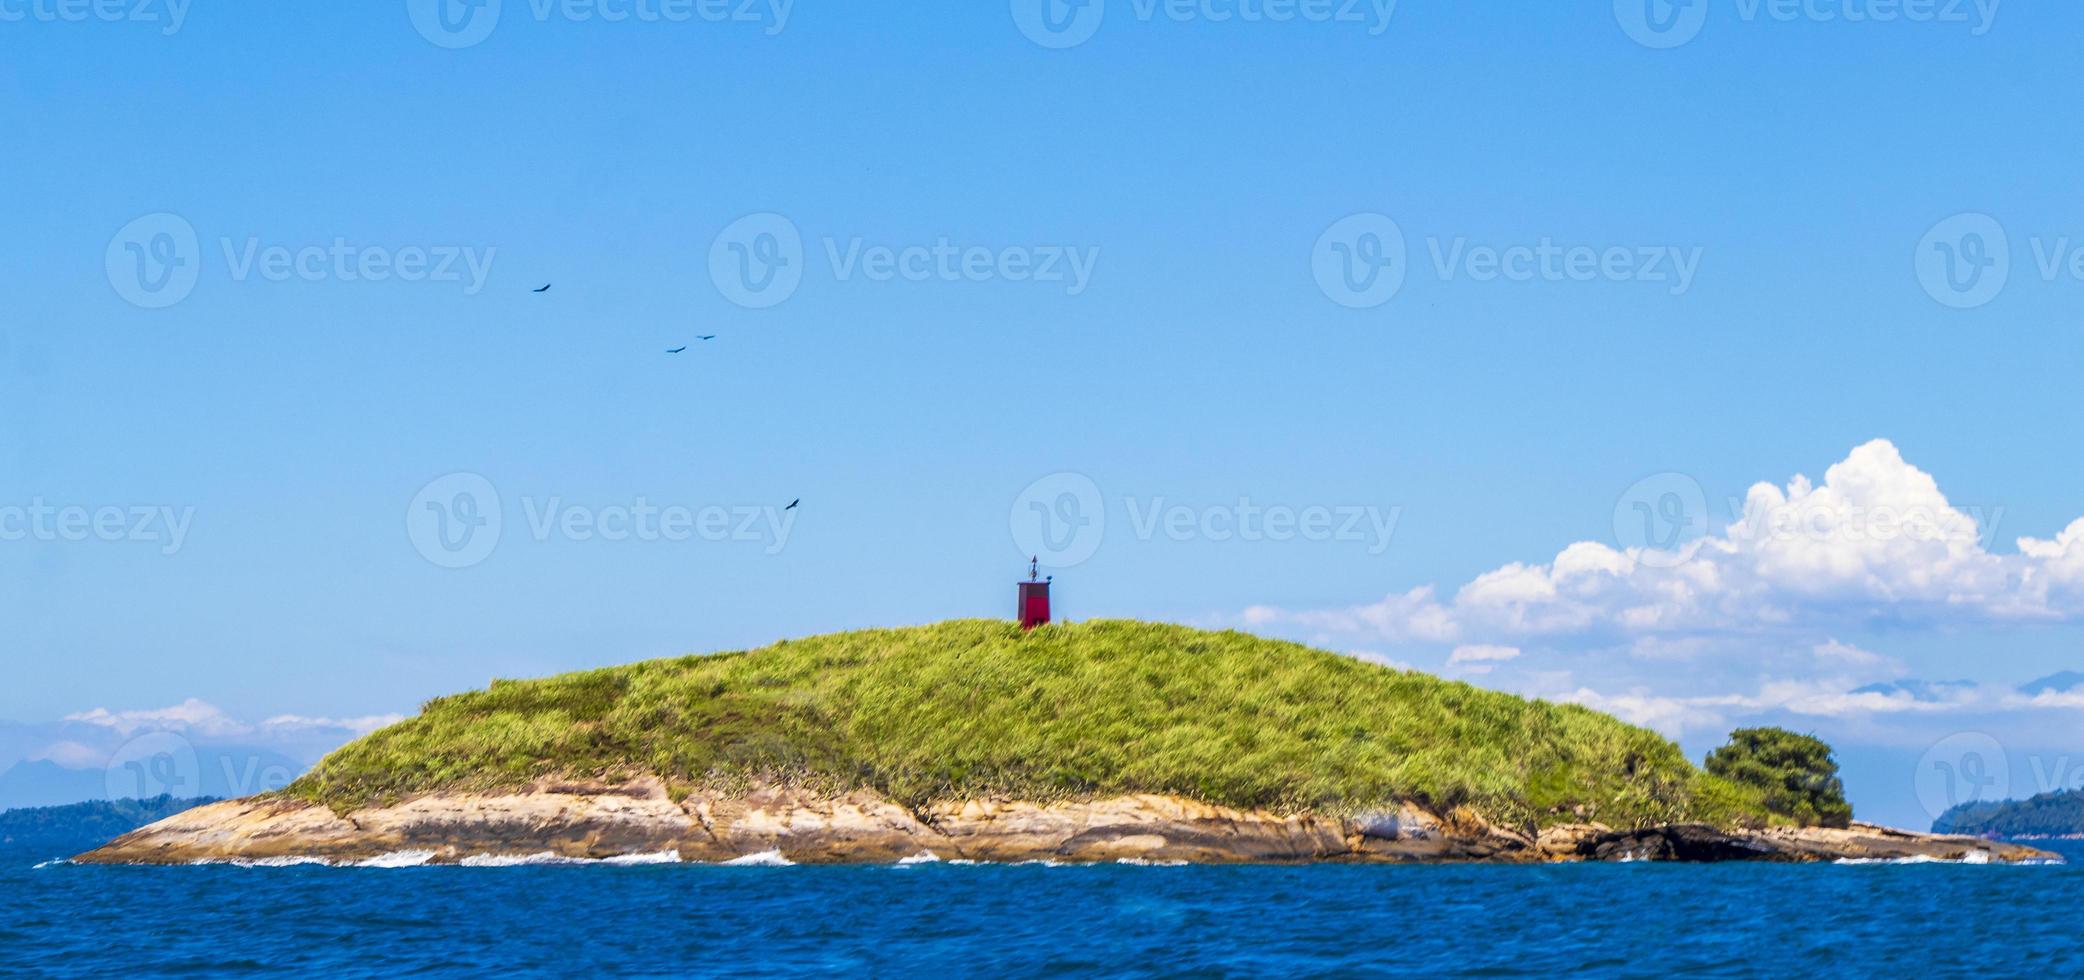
(56, 831)
(1106, 741)
(2049, 816)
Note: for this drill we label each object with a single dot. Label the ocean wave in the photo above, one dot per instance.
(515, 860)
(1972, 857)
(422, 859)
(285, 861)
(1148, 863)
(282, 862)
(398, 859)
(923, 857)
(548, 858)
(764, 859)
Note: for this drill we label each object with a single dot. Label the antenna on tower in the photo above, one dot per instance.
(1034, 597)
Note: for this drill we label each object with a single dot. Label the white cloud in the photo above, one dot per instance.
(359, 726)
(1411, 616)
(2058, 700)
(190, 716)
(1481, 658)
(1671, 715)
(203, 719)
(1845, 654)
(1876, 541)
(1677, 715)
(1380, 659)
(1711, 635)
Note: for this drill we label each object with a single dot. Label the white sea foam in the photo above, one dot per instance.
(1148, 863)
(923, 857)
(290, 861)
(548, 858)
(287, 861)
(421, 859)
(764, 859)
(51, 864)
(514, 860)
(1972, 857)
(398, 859)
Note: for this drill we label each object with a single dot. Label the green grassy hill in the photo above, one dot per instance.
(970, 708)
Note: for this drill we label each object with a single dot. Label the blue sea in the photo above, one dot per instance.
(1609, 920)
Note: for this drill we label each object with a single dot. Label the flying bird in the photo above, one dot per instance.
(546, 287)
(677, 350)
(793, 503)
(709, 337)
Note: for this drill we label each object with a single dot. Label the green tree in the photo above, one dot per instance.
(1796, 773)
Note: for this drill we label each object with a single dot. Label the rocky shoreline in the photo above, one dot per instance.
(640, 819)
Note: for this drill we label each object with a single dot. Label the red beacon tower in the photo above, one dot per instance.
(1034, 597)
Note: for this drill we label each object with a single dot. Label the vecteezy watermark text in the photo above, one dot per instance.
(1546, 261)
(51, 523)
(348, 262)
(169, 14)
(1664, 24)
(457, 24)
(457, 521)
(759, 262)
(1062, 519)
(1967, 260)
(1059, 24)
(641, 520)
(156, 261)
(1362, 261)
(1249, 521)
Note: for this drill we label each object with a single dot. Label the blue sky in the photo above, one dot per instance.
(296, 424)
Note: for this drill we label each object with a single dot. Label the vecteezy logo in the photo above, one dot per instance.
(1060, 519)
(454, 522)
(1966, 767)
(757, 262)
(1661, 24)
(158, 764)
(1663, 519)
(154, 261)
(454, 23)
(1360, 261)
(1964, 261)
(1059, 24)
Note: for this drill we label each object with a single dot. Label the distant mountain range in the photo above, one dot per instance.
(1918, 690)
(2068, 680)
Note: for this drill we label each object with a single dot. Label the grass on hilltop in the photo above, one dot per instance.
(975, 708)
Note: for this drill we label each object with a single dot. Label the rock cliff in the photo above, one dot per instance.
(640, 818)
